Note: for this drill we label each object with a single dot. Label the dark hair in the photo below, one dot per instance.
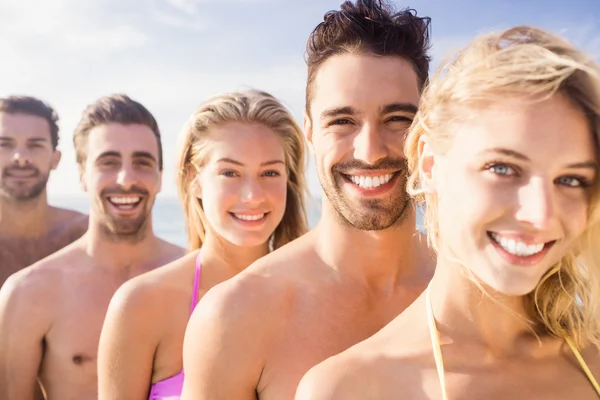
(369, 26)
(32, 106)
(116, 108)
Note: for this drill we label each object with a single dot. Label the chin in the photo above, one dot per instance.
(247, 241)
(511, 286)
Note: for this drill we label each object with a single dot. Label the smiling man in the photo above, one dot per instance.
(30, 229)
(51, 313)
(254, 336)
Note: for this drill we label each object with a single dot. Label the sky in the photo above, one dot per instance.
(170, 55)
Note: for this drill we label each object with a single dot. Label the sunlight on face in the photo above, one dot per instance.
(123, 177)
(513, 190)
(26, 156)
(243, 185)
(361, 110)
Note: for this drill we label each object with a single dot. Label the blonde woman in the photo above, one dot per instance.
(504, 154)
(241, 181)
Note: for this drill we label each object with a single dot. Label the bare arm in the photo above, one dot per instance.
(224, 346)
(332, 380)
(127, 346)
(23, 324)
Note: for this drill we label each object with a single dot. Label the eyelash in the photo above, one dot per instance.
(583, 182)
(395, 118)
(228, 174)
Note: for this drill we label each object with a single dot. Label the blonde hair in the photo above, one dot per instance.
(531, 64)
(250, 106)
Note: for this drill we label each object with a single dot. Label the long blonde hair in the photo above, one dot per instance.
(533, 64)
(250, 106)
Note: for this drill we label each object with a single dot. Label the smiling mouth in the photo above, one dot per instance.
(518, 248)
(370, 182)
(247, 217)
(125, 203)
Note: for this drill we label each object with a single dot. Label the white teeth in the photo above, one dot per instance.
(249, 217)
(370, 182)
(517, 248)
(124, 200)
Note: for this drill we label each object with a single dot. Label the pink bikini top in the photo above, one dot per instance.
(170, 388)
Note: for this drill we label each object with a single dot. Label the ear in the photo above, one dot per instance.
(427, 159)
(56, 156)
(196, 187)
(308, 129)
(81, 169)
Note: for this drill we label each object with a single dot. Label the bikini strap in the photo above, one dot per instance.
(435, 343)
(196, 283)
(583, 364)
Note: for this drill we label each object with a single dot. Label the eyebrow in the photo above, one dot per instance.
(387, 109)
(396, 107)
(590, 164)
(232, 161)
(35, 139)
(337, 111)
(144, 154)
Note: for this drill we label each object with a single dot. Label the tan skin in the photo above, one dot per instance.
(488, 352)
(52, 312)
(142, 338)
(256, 335)
(30, 229)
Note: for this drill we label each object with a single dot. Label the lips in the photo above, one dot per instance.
(20, 172)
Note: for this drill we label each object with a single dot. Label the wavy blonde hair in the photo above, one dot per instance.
(252, 107)
(527, 63)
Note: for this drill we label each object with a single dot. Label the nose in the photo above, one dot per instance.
(126, 177)
(536, 203)
(252, 192)
(21, 157)
(369, 144)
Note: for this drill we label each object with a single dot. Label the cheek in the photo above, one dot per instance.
(574, 213)
(276, 192)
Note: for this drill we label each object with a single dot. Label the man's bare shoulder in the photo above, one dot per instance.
(68, 222)
(37, 287)
(153, 290)
(168, 252)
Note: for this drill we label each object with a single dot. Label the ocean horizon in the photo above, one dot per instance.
(167, 214)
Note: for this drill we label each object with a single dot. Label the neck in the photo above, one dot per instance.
(379, 259)
(120, 254)
(465, 314)
(24, 219)
(235, 258)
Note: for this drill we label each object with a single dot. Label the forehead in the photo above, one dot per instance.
(553, 129)
(124, 139)
(243, 141)
(27, 126)
(364, 82)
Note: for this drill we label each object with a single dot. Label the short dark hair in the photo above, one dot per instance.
(32, 106)
(116, 108)
(373, 27)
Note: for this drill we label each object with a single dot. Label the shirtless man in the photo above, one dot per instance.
(51, 313)
(254, 336)
(30, 229)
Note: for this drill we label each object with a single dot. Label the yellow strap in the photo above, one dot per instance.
(584, 366)
(435, 342)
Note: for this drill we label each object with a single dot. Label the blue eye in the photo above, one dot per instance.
(502, 169)
(272, 173)
(573, 181)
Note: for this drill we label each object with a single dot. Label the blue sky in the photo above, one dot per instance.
(172, 54)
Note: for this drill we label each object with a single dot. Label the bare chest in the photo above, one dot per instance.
(71, 345)
(17, 254)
